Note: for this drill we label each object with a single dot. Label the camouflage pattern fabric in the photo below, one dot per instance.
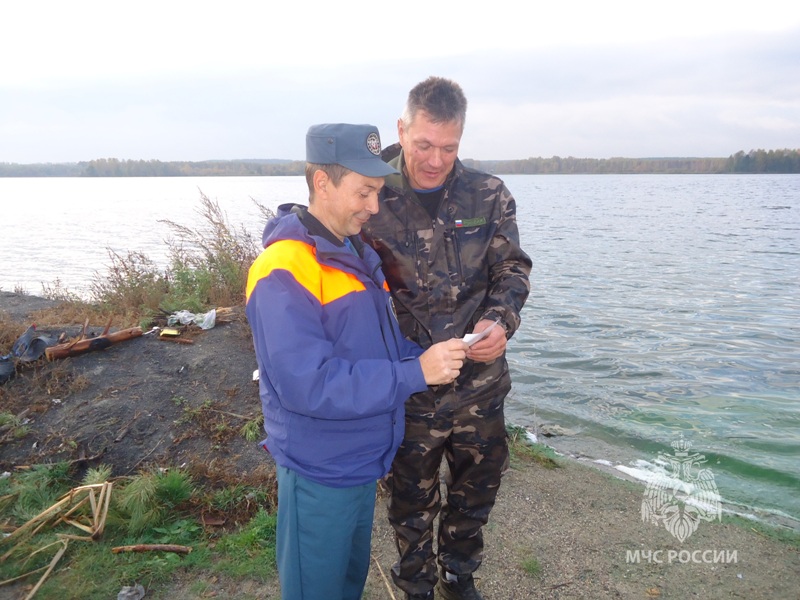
(445, 275)
(473, 441)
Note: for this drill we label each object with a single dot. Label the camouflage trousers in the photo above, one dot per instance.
(472, 439)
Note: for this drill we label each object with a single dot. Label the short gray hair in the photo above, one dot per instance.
(443, 100)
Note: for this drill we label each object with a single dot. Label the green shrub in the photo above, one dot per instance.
(147, 500)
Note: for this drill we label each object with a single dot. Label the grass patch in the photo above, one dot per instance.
(11, 427)
(531, 566)
(250, 551)
(253, 430)
(523, 450)
(208, 268)
(153, 507)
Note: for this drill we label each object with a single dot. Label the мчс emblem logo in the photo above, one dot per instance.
(683, 497)
(374, 143)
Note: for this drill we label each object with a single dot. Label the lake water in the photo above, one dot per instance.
(661, 306)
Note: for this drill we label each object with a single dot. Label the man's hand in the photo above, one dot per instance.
(491, 347)
(442, 362)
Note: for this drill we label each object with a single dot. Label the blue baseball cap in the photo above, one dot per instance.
(355, 147)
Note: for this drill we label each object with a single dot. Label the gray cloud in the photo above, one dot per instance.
(700, 97)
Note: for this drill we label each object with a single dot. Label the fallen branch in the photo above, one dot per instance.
(23, 576)
(385, 579)
(42, 517)
(153, 548)
(63, 509)
(50, 568)
(100, 342)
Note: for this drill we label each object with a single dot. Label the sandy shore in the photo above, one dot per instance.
(580, 531)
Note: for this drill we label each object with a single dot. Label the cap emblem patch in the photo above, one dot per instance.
(374, 144)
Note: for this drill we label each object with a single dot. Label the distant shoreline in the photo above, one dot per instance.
(783, 161)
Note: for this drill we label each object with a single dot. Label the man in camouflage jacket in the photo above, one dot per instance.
(448, 239)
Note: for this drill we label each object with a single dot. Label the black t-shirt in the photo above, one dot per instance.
(431, 199)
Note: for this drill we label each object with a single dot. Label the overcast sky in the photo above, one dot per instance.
(198, 80)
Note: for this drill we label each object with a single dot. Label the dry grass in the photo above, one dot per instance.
(208, 269)
(10, 330)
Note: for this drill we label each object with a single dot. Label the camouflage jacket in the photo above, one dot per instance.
(449, 273)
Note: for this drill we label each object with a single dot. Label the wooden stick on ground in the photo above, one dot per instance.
(385, 580)
(153, 547)
(40, 518)
(100, 518)
(99, 513)
(52, 566)
(108, 326)
(23, 576)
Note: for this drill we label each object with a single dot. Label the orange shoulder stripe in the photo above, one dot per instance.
(298, 258)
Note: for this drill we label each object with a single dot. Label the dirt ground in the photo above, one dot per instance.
(571, 532)
(140, 402)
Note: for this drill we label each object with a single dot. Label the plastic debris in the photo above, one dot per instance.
(131, 592)
(31, 345)
(7, 368)
(28, 348)
(202, 320)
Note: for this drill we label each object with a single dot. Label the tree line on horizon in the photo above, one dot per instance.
(755, 161)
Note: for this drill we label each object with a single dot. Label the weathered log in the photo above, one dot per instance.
(87, 345)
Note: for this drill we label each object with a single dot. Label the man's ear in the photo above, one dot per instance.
(321, 182)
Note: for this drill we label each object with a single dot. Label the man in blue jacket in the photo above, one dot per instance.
(334, 368)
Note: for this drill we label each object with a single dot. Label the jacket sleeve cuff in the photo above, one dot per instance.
(413, 374)
(494, 315)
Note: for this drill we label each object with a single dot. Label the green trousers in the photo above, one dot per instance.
(323, 538)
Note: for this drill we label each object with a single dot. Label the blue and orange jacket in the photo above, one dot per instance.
(334, 368)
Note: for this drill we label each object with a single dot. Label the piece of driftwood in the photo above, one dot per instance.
(153, 548)
(100, 342)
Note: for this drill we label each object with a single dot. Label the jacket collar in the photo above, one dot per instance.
(315, 228)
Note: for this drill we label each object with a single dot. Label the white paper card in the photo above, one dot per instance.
(471, 338)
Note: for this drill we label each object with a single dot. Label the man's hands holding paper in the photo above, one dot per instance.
(442, 362)
(489, 347)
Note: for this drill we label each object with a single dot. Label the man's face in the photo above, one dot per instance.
(429, 150)
(344, 209)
